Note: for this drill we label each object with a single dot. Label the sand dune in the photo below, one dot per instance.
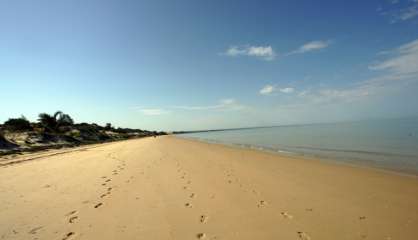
(171, 188)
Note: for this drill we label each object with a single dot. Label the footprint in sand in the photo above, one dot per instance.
(262, 203)
(103, 195)
(35, 230)
(108, 180)
(72, 219)
(188, 205)
(192, 195)
(304, 236)
(203, 218)
(71, 213)
(98, 205)
(68, 235)
(200, 235)
(286, 215)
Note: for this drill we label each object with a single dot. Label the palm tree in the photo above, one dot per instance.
(52, 123)
(63, 119)
(47, 121)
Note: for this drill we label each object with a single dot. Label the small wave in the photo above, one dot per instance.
(286, 149)
(386, 154)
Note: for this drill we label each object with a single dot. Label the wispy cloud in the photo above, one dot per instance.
(398, 68)
(397, 12)
(396, 71)
(223, 104)
(311, 46)
(270, 89)
(402, 63)
(261, 52)
(331, 95)
(287, 90)
(153, 111)
(228, 104)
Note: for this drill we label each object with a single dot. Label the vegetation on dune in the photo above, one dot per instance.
(59, 129)
(4, 143)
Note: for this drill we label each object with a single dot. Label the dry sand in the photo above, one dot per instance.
(171, 188)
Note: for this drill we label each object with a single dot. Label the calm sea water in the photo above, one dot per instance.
(390, 144)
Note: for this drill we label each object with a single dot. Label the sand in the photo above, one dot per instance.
(172, 188)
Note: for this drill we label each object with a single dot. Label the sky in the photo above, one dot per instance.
(189, 65)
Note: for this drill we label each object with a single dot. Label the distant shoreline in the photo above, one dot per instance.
(286, 125)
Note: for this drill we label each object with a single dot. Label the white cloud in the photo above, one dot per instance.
(270, 89)
(266, 90)
(287, 90)
(223, 104)
(261, 52)
(153, 111)
(311, 46)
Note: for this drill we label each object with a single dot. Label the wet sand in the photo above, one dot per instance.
(172, 188)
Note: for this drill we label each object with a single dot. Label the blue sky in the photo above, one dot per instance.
(180, 65)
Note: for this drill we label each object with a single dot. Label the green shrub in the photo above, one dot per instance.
(17, 124)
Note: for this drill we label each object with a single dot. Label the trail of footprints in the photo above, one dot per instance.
(73, 217)
(229, 174)
(202, 218)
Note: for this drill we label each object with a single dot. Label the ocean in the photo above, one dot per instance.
(389, 144)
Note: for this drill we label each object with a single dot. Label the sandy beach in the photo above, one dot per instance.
(173, 188)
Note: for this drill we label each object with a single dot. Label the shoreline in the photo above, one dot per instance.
(360, 163)
(175, 188)
(23, 156)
